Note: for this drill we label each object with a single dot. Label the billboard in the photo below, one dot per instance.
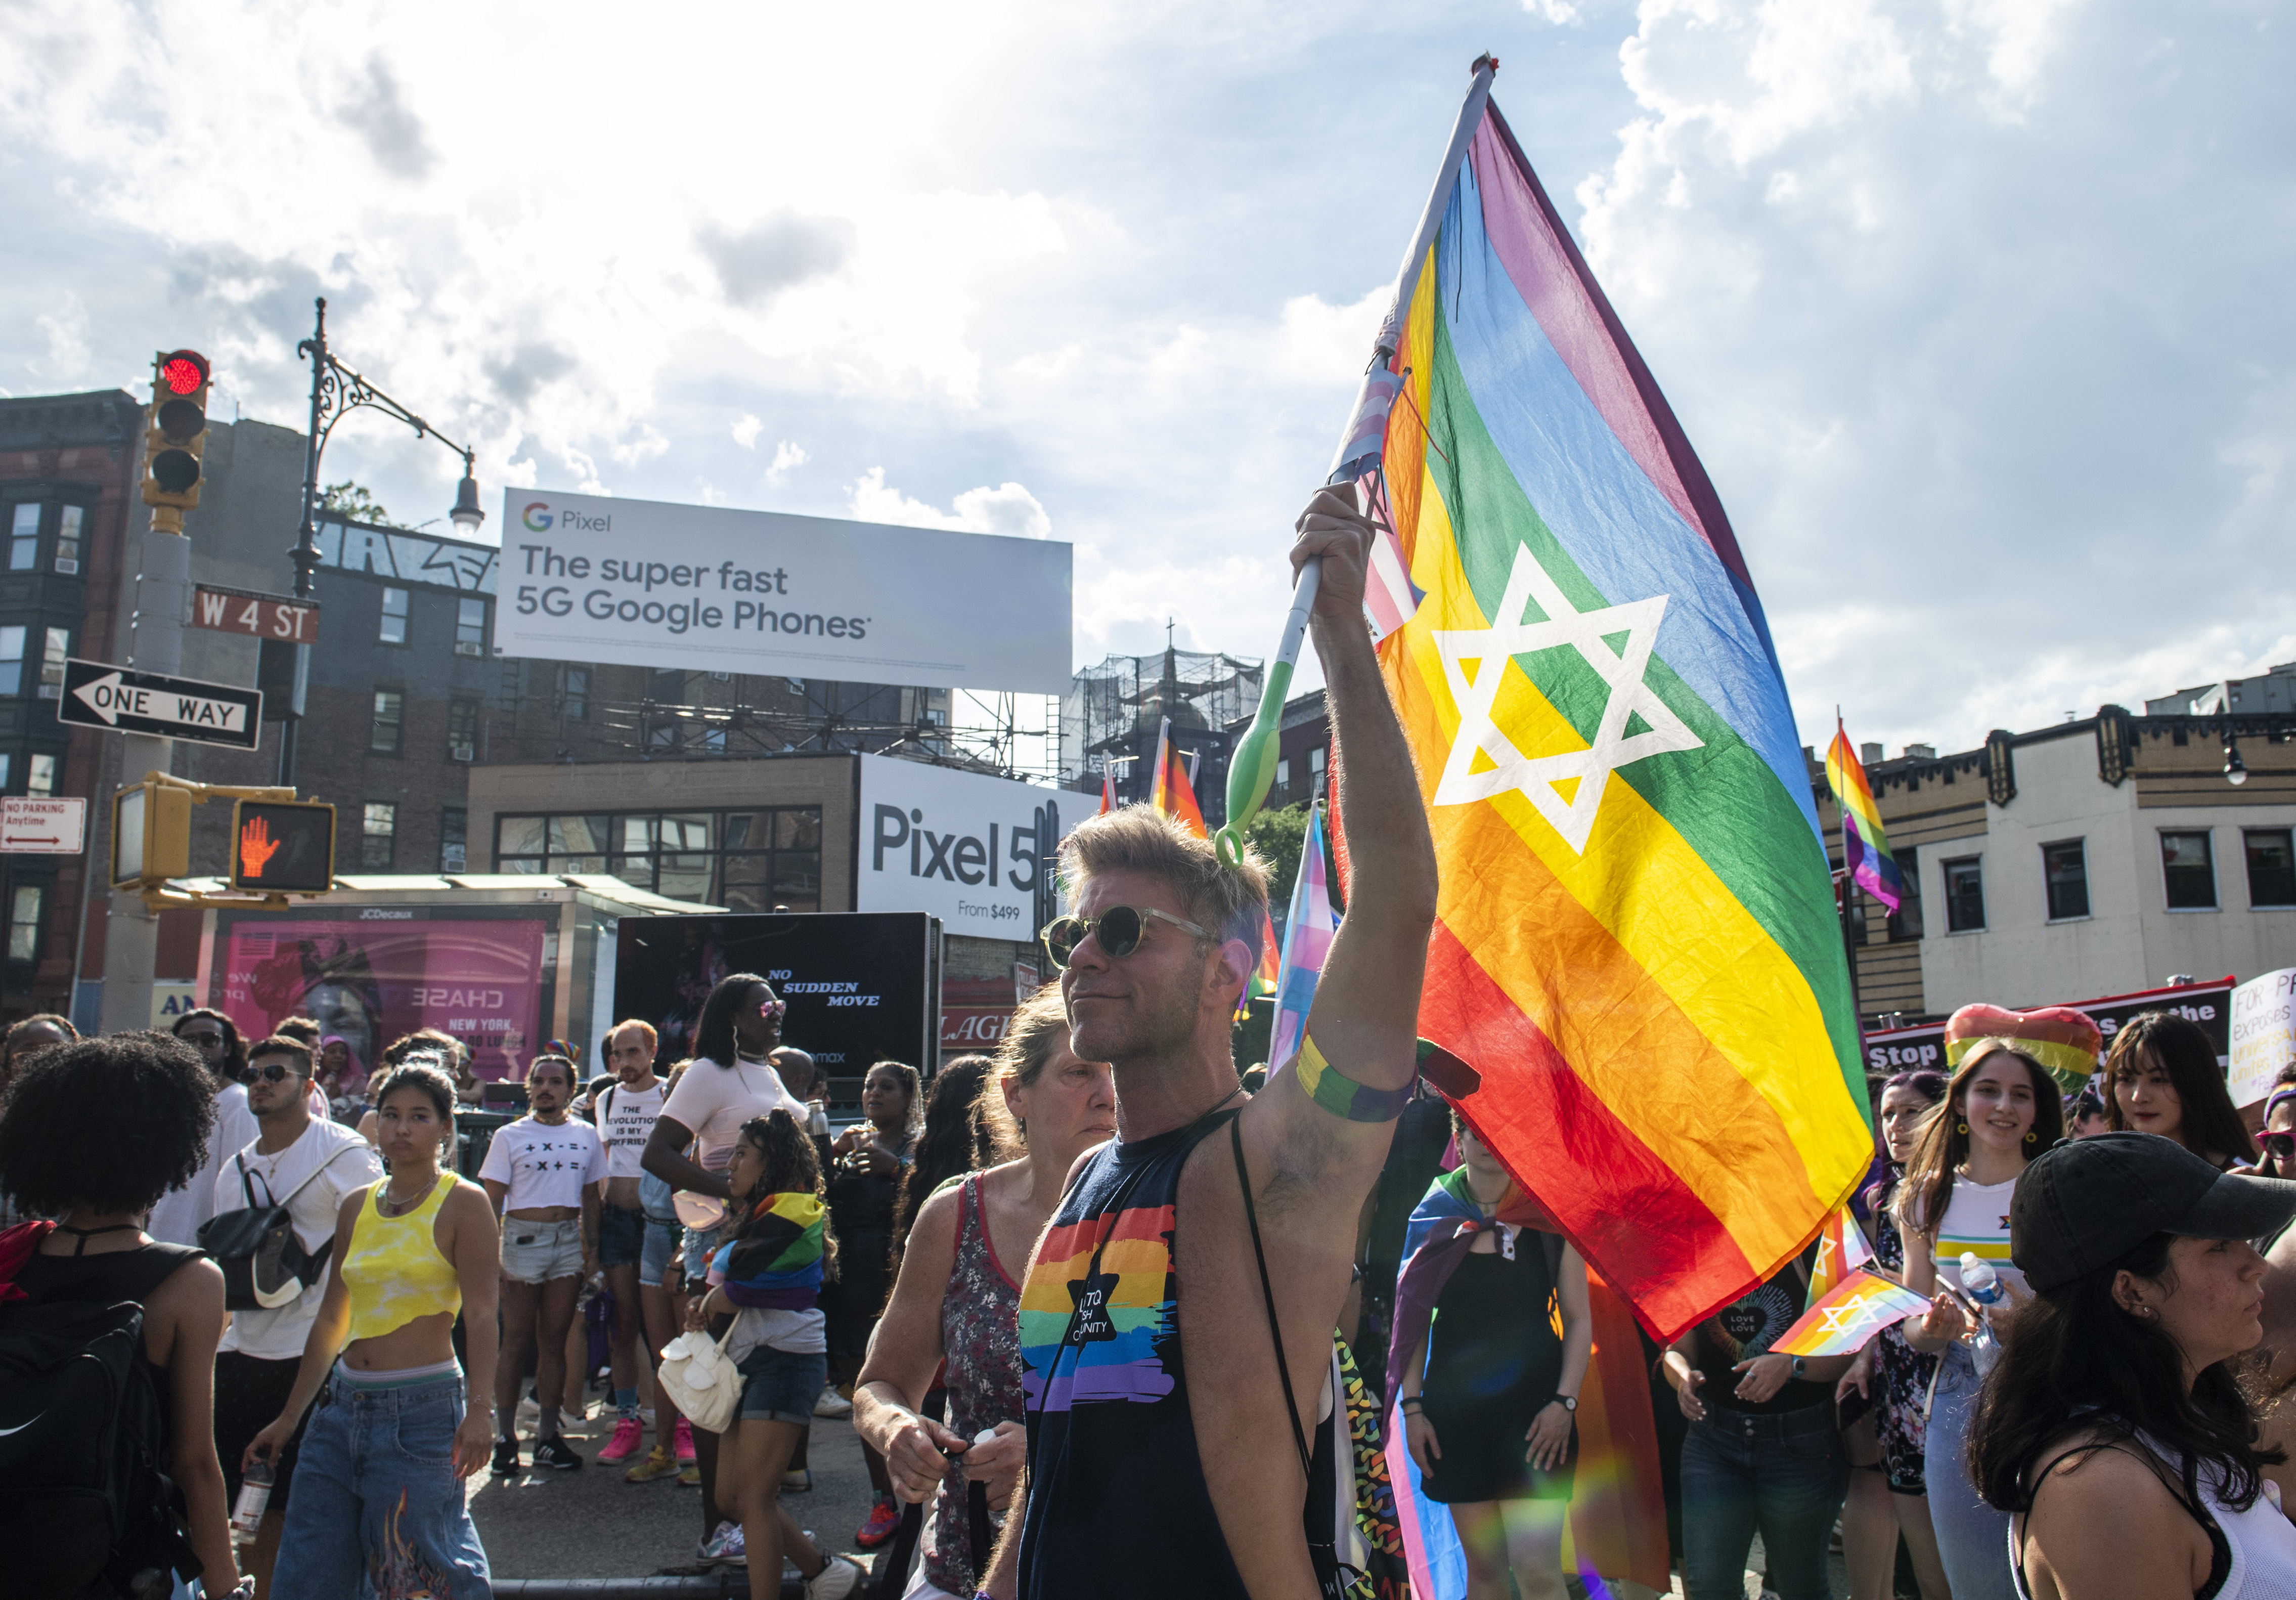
(2209, 1005)
(375, 974)
(2263, 1034)
(641, 583)
(860, 987)
(972, 849)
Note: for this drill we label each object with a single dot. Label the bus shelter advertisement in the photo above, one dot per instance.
(385, 972)
(640, 583)
(970, 848)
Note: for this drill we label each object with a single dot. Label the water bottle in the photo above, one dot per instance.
(254, 1496)
(816, 1121)
(1979, 1281)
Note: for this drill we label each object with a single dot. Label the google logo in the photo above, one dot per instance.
(537, 517)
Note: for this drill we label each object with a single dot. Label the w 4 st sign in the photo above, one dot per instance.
(258, 615)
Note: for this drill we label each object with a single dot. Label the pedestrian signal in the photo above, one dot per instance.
(282, 847)
(177, 435)
(151, 834)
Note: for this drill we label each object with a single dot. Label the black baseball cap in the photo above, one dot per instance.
(2087, 1202)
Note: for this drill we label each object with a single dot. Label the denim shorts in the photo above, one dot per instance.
(701, 1244)
(661, 1241)
(535, 1252)
(621, 1235)
(780, 1386)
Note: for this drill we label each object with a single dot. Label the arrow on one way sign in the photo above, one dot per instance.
(97, 694)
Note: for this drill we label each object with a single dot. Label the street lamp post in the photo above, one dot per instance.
(336, 392)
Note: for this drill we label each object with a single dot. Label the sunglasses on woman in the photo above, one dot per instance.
(1119, 928)
(2279, 1146)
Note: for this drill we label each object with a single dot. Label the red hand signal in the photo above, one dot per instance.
(256, 847)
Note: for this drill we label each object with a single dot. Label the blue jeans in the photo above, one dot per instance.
(381, 1461)
(1785, 1475)
(1972, 1537)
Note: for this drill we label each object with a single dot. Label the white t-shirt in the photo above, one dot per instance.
(1977, 1219)
(715, 1101)
(626, 1121)
(176, 1217)
(542, 1165)
(343, 1163)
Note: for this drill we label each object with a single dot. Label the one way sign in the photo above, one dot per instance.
(97, 694)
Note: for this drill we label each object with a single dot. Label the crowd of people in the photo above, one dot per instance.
(1092, 1304)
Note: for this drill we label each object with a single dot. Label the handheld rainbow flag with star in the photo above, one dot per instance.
(1635, 943)
(1865, 847)
(1842, 1323)
(1842, 1249)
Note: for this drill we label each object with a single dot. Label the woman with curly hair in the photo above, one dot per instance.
(2115, 1436)
(92, 1133)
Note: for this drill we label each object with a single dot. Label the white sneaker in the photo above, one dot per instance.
(832, 1404)
(572, 1419)
(836, 1581)
(725, 1547)
(528, 1413)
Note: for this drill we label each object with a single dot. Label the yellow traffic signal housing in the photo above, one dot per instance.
(176, 437)
(282, 847)
(151, 835)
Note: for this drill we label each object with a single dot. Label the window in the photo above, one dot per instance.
(40, 775)
(1964, 895)
(2065, 866)
(2188, 870)
(1283, 775)
(24, 922)
(390, 712)
(52, 657)
(67, 539)
(2271, 865)
(1905, 920)
(1316, 762)
(394, 617)
(378, 827)
(574, 694)
(24, 536)
(462, 730)
(3, 769)
(751, 860)
(12, 659)
(454, 836)
(470, 627)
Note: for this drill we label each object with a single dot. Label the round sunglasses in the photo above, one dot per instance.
(2279, 1146)
(1119, 928)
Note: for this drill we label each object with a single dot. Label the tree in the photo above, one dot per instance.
(1279, 837)
(350, 500)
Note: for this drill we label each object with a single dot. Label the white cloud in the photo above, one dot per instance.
(65, 329)
(746, 431)
(787, 457)
(1008, 508)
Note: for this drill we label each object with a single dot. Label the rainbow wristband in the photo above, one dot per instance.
(1342, 1095)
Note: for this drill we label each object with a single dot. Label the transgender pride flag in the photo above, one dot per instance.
(1307, 940)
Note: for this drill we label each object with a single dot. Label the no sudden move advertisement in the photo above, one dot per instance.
(964, 846)
(641, 583)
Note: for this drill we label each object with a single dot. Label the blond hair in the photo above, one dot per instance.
(1230, 901)
(1038, 1028)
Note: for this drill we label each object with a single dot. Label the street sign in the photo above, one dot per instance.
(31, 825)
(257, 614)
(97, 694)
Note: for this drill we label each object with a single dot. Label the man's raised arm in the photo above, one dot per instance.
(1363, 1028)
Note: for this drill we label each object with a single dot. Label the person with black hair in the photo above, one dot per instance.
(2084, 1113)
(91, 1134)
(179, 1213)
(216, 1036)
(2166, 1080)
(22, 1041)
(2114, 1433)
(731, 1082)
(402, 1424)
(957, 1139)
(766, 1277)
(865, 1184)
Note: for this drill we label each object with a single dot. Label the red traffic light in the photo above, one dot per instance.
(183, 371)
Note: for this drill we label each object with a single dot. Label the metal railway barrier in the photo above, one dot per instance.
(727, 1583)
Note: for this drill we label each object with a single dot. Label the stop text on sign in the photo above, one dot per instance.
(257, 615)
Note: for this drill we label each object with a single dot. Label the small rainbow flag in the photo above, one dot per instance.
(1842, 1323)
(1173, 795)
(1307, 930)
(1842, 1249)
(1865, 847)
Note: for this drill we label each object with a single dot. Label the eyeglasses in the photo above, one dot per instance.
(2279, 1146)
(274, 1072)
(1120, 929)
(771, 1008)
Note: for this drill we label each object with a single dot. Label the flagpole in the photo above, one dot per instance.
(1251, 773)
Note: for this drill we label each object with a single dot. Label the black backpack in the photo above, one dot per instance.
(86, 1507)
(264, 1266)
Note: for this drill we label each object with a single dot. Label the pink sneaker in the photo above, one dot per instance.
(685, 1439)
(629, 1435)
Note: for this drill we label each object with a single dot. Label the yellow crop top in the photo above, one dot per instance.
(393, 1271)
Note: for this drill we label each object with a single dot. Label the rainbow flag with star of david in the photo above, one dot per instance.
(1636, 944)
(1847, 1317)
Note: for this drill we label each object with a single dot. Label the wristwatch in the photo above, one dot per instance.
(1801, 1367)
(1569, 1402)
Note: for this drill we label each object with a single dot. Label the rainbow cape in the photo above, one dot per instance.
(1635, 943)
(1841, 1322)
(1865, 847)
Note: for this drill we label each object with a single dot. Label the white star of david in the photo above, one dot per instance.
(1512, 634)
(1849, 1318)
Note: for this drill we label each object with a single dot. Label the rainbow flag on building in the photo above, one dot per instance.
(1846, 1318)
(1637, 945)
(1865, 847)
(1308, 930)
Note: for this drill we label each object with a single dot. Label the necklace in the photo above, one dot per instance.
(392, 1206)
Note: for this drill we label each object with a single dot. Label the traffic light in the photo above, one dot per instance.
(151, 835)
(282, 847)
(176, 436)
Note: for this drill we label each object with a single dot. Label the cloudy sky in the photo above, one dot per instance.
(1979, 311)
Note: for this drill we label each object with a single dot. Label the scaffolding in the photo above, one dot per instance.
(1111, 715)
